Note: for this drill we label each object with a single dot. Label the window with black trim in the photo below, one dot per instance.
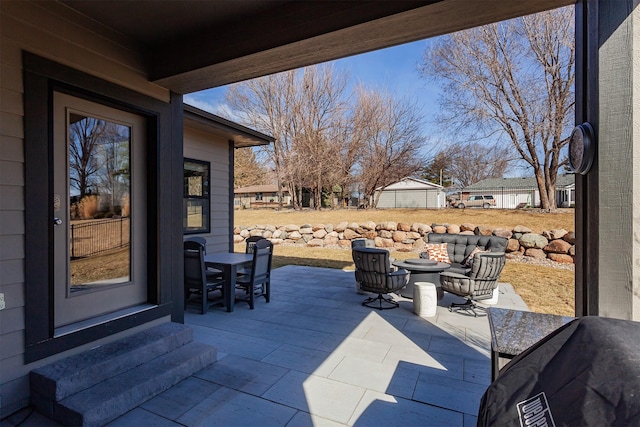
(197, 200)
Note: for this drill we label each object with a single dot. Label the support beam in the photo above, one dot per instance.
(608, 214)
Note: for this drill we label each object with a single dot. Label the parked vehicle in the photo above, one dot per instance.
(477, 201)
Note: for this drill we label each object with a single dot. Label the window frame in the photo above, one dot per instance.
(206, 198)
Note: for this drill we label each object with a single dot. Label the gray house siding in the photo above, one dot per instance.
(49, 30)
(201, 145)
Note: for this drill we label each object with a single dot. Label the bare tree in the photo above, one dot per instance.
(247, 170)
(391, 141)
(264, 103)
(466, 164)
(300, 108)
(319, 106)
(323, 143)
(85, 135)
(513, 79)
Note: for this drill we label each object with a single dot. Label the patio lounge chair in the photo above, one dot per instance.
(374, 274)
(477, 284)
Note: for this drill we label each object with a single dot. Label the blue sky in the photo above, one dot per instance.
(394, 69)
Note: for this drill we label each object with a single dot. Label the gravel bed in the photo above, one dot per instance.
(538, 261)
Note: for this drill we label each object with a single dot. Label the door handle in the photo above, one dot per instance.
(57, 221)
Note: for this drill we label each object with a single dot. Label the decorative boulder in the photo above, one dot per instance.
(453, 229)
(554, 234)
(502, 232)
(399, 236)
(370, 234)
(513, 245)
(403, 226)
(349, 234)
(319, 233)
(340, 227)
(467, 226)
(558, 246)
(294, 235)
(383, 243)
(330, 240)
(535, 253)
(369, 225)
(532, 240)
(522, 229)
(440, 229)
(561, 258)
(483, 230)
(570, 237)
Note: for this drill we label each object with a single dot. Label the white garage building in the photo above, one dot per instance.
(411, 193)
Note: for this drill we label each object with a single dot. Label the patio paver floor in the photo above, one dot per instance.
(314, 356)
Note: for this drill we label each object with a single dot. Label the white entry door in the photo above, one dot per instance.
(99, 210)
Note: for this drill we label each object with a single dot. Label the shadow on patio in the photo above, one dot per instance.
(315, 356)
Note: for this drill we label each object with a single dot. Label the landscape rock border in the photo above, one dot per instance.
(556, 245)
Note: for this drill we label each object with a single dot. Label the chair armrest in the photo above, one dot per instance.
(399, 272)
(453, 275)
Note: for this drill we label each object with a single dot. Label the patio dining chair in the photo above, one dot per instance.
(192, 242)
(201, 240)
(197, 280)
(250, 244)
(259, 278)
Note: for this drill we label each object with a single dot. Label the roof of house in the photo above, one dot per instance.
(411, 183)
(241, 136)
(524, 183)
(264, 188)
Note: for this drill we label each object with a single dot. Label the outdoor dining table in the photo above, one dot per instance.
(229, 263)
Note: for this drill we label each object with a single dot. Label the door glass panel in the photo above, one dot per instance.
(99, 203)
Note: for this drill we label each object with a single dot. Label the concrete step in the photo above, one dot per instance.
(58, 380)
(114, 397)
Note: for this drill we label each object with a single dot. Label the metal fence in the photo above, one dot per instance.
(97, 236)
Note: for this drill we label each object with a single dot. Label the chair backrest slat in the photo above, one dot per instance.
(262, 253)
(194, 268)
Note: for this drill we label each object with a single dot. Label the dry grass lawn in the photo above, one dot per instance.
(494, 218)
(544, 289)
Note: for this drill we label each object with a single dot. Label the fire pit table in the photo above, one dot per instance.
(422, 270)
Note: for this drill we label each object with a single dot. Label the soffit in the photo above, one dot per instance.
(241, 136)
(195, 45)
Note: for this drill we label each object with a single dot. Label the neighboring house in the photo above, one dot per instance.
(129, 63)
(259, 196)
(209, 144)
(411, 193)
(511, 193)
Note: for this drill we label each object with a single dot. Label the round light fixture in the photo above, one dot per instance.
(582, 148)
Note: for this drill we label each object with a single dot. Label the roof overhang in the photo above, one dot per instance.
(191, 45)
(241, 136)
